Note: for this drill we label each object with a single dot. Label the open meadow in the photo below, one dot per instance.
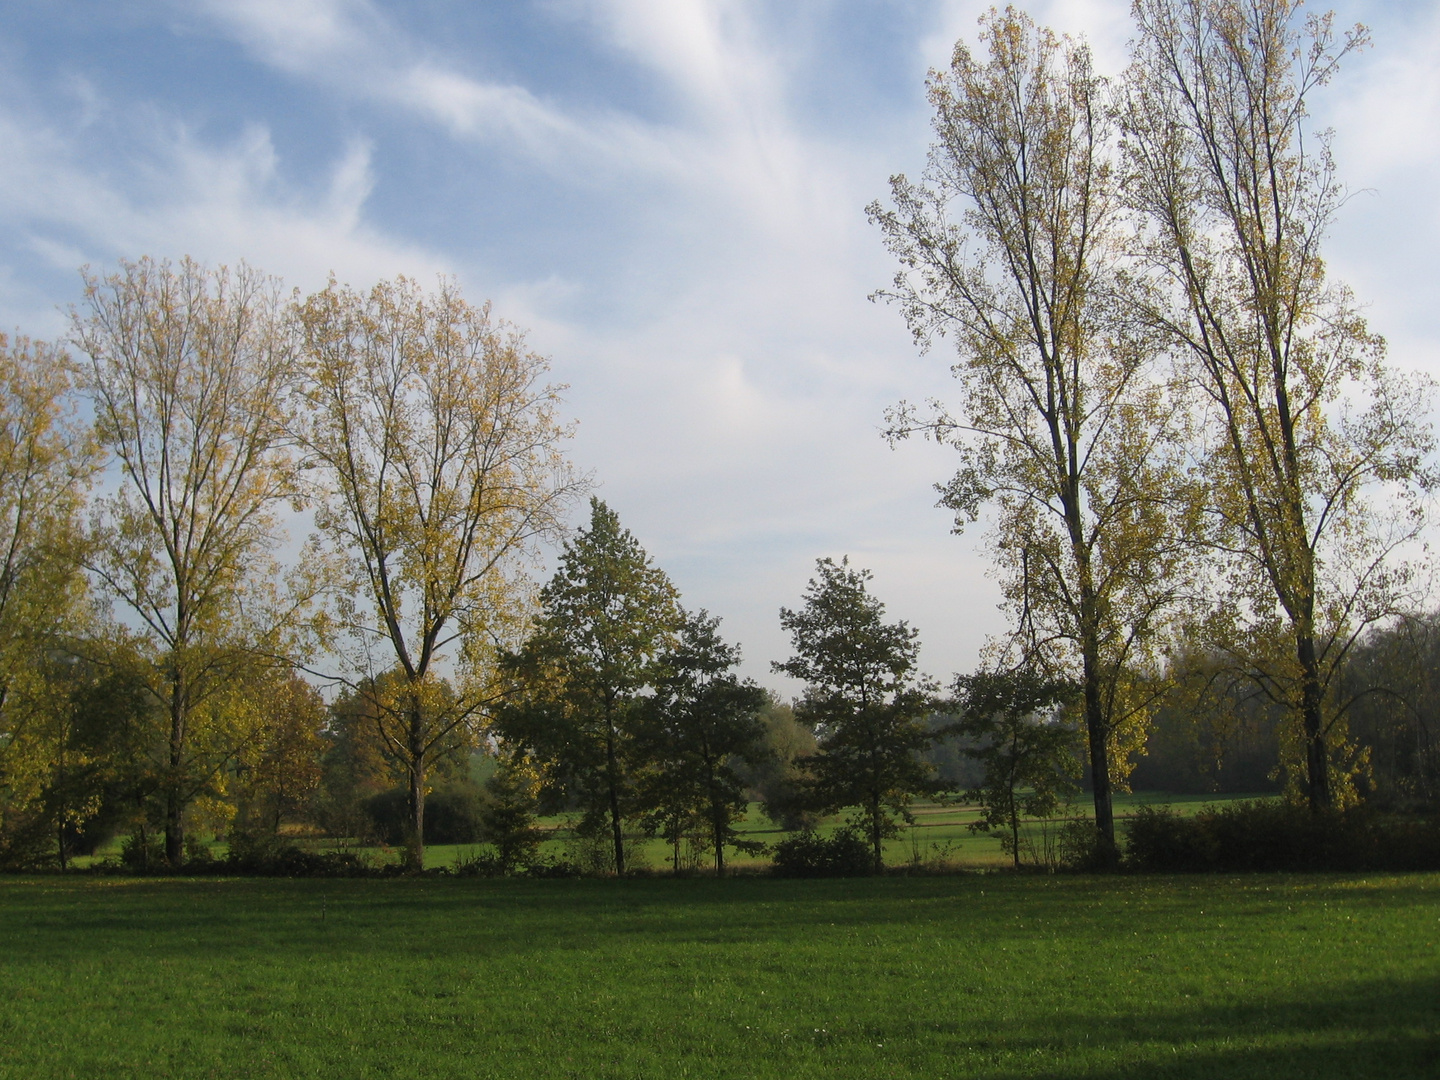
(980, 975)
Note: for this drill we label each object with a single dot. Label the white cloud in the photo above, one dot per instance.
(350, 47)
(178, 195)
(1387, 117)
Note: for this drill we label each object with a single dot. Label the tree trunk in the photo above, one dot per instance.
(875, 830)
(1014, 801)
(1014, 832)
(1099, 763)
(717, 835)
(612, 776)
(144, 832)
(415, 851)
(717, 814)
(174, 828)
(1096, 727)
(1317, 756)
(174, 803)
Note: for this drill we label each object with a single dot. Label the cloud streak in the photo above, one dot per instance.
(690, 246)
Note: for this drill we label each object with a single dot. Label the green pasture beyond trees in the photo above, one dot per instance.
(987, 975)
(940, 839)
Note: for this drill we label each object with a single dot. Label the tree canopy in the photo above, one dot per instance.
(865, 699)
(607, 618)
(439, 451)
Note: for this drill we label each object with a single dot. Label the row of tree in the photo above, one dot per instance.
(155, 639)
(144, 488)
(1182, 430)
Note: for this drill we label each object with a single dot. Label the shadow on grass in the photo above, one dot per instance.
(1387, 1029)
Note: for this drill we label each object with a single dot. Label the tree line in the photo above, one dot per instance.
(1201, 481)
(155, 620)
(164, 639)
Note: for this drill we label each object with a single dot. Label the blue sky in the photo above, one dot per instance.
(668, 194)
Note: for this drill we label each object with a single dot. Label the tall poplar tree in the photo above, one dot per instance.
(438, 445)
(1009, 247)
(47, 457)
(1317, 453)
(187, 371)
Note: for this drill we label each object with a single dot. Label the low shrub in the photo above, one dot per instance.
(510, 828)
(269, 856)
(491, 862)
(1080, 846)
(141, 851)
(26, 840)
(807, 854)
(1272, 835)
(452, 815)
(1158, 839)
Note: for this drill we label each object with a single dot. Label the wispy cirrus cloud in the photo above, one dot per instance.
(173, 193)
(351, 47)
(668, 193)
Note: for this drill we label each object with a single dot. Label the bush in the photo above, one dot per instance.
(510, 827)
(452, 815)
(1270, 835)
(142, 851)
(1081, 846)
(489, 862)
(268, 856)
(843, 854)
(1158, 839)
(26, 840)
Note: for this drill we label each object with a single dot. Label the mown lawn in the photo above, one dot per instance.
(989, 975)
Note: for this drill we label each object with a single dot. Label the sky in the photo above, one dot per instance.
(668, 195)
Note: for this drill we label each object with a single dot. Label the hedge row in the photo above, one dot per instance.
(1271, 835)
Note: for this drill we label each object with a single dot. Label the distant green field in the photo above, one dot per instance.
(989, 975)
(941, 836)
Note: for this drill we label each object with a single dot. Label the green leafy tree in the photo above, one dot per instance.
(700, 725)
(1010, 247)
(280, 770)
(1392, 688)
(110, 723)
(507, 820)
(864, 699)
(606, 619)
(1026, 751)
(775, 778)
(1315, 456)
(355, 766)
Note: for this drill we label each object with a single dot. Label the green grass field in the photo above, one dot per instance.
(981, 975)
